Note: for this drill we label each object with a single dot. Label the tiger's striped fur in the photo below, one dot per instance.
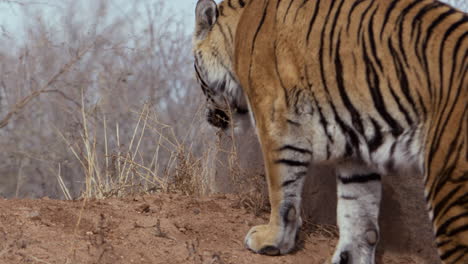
(371, 86)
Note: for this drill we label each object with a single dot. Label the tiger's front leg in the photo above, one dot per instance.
(359, 194)
(286, 160)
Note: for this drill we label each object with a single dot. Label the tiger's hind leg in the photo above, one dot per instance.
(359, 194)
(446, 182)
(446, 192)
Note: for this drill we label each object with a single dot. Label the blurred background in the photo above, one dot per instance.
(97, 98)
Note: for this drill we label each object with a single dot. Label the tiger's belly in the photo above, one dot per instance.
(333, 142)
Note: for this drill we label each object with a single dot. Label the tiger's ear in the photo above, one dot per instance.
(206, 14)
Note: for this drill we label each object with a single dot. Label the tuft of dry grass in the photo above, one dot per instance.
(125, 171)
(99, 104)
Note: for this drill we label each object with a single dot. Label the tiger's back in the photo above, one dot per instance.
(380, 82)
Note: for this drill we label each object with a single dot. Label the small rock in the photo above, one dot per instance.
(196, 211)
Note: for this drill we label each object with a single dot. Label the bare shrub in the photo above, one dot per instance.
(98, 99)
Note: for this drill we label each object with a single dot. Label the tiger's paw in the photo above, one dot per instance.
(356, 253)
(342, 258)
(270, 240)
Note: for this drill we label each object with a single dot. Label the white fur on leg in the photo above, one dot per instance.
(359, 194)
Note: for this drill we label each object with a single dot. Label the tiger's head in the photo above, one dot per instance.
(213, 49)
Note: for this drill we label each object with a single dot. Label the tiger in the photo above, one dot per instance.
(371, 87)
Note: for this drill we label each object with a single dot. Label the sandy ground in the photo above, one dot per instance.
(166, 229)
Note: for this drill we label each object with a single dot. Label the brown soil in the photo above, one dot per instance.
(164, 229)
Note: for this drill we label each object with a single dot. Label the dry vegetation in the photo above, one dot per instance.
(97, 99)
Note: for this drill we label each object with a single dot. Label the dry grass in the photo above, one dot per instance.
(125, 171)
(98, 105)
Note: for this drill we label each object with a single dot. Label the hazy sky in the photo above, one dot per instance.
(10, 14)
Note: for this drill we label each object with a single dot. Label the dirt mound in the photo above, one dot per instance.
(165, 229)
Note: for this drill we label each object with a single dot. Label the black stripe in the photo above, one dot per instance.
(287, 11)
(430, 31)
(440, 128)
(457, 140)
(442, 203)
(401, 22)
(333, 27)
(285, 208)
(348, 150)
(294, 123)
(361, 22)
(377, 139)
(360, 178)
(312, 20)
(290, 195)
(350, 135)
(287, 183)
(452, 251)
(292, 163)
(298, 176)
(387, 16)
(456, 49)
(278, 4)
(231, 36)
(297, 95)
(462, 255)
(225, 38)
(402, 109)
(323, 121)
(372, 42)
(441, 67)
(421, 104)
(457, 230)
(461, 201)
(350, 13)
(241, 3)
(299, 8)
(230, 5)
(448, 32)
(321, 48)
(418, 17)
(379, 103)
(349, 198)
(262, 20)
(221, 10)
(355, 116)
(436, 22)
(297, 149)
(439, 182)
(206, 91)
(443, 243)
